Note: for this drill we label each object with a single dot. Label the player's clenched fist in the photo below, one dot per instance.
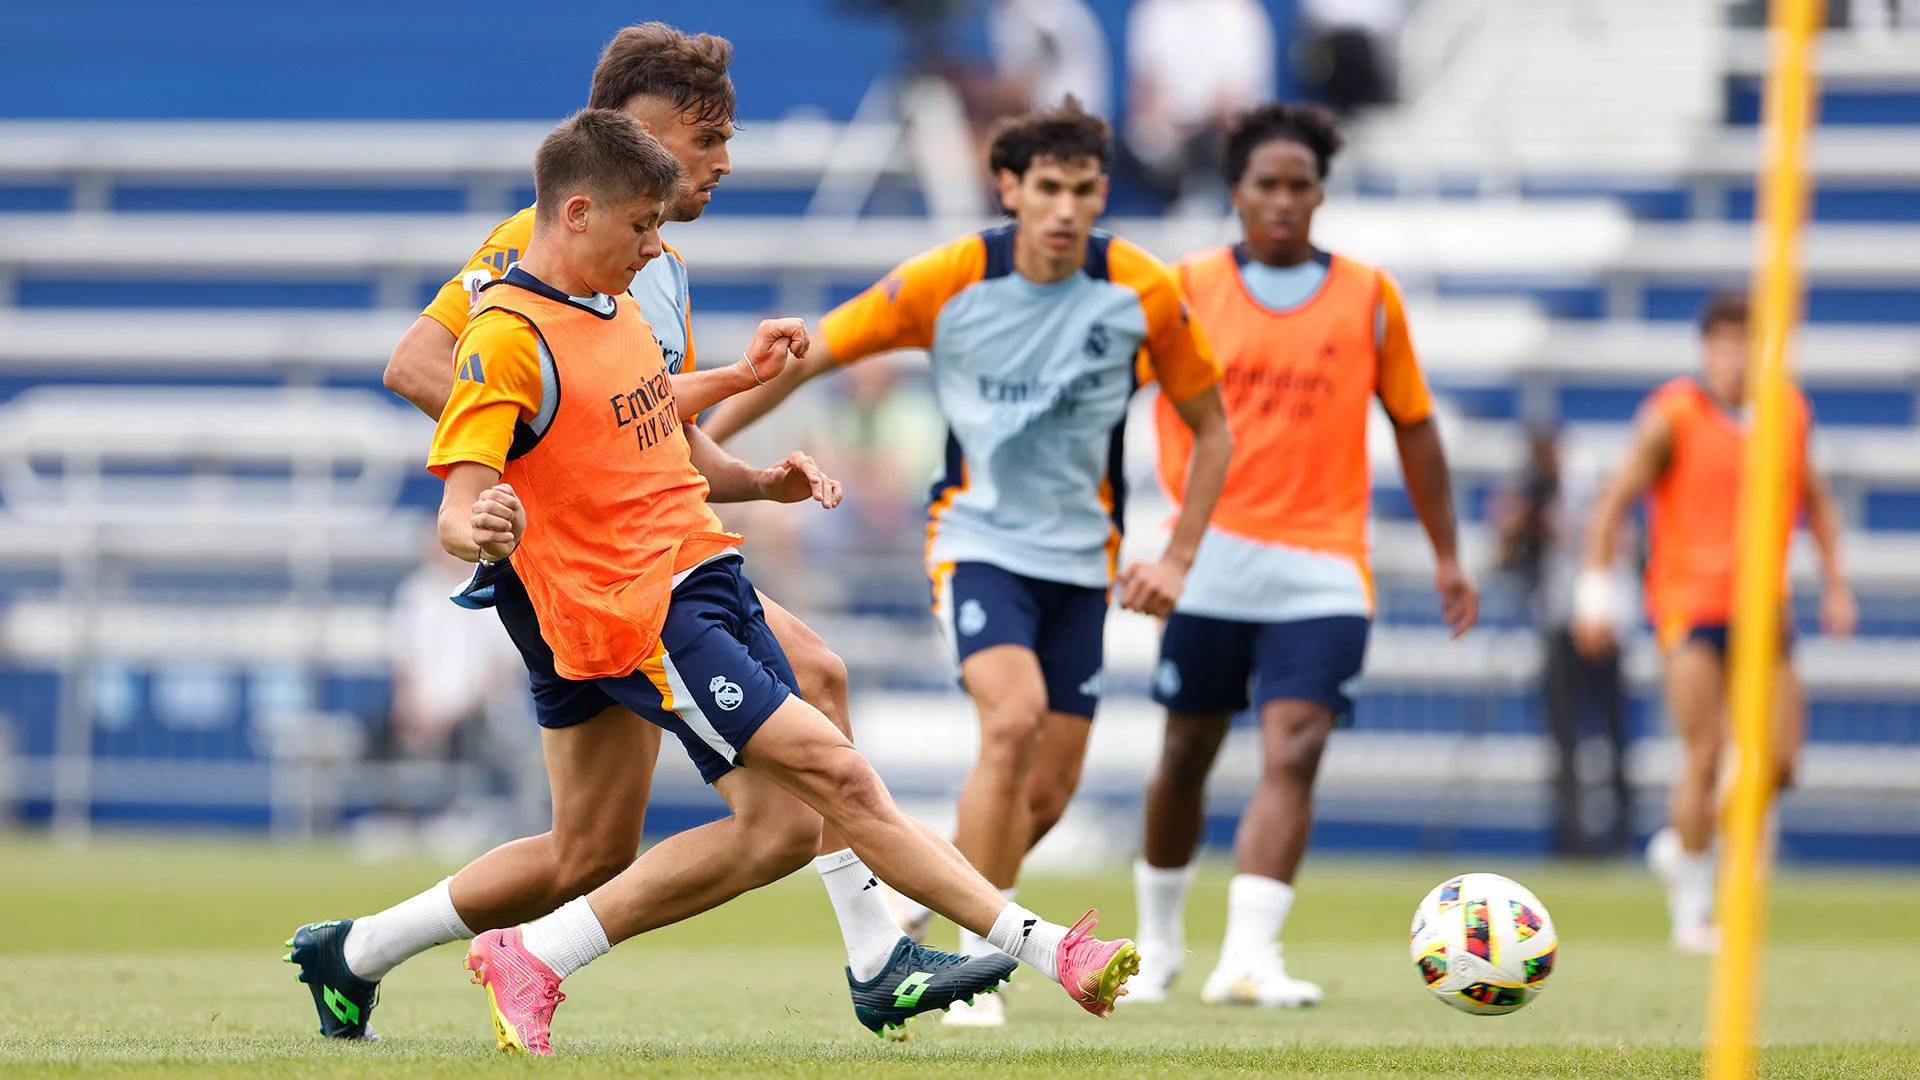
(773, 343)
(498, 522)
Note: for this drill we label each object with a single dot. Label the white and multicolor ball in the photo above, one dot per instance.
(1483, 944)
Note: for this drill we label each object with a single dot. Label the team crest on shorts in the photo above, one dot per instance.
(1167, 678)
(727, 695)
(972, 618)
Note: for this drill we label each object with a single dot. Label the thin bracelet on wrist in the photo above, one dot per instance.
(754, 370)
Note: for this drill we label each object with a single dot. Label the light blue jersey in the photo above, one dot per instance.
(1034, 382)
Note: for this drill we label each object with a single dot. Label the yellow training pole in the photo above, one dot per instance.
(1763, 521)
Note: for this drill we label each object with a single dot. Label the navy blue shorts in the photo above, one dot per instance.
(979, 605)
(714, 678)
(1714, 636)
(1211, 666)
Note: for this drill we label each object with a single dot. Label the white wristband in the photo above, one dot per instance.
(1593, 599)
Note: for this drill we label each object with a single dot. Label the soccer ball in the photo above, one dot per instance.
(1483, 944)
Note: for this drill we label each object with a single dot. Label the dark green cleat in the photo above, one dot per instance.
(344, 1000)
(918, 980)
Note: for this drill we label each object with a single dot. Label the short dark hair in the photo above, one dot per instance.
(1312, 126)
(604, 154)
(656, 60)
(1064, 133)
(1727, 307)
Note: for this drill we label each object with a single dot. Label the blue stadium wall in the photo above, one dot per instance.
(409, 59)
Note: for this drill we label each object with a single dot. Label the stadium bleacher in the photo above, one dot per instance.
(194, 315)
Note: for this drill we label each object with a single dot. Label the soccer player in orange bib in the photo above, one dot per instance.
(1685, 456)
(1034, 329)
(1279, 603)
(568, 455)
(599, 753)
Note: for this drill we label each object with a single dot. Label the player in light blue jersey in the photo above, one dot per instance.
(1036, 330)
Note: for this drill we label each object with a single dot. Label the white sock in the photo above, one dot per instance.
(1160, 893)
(1691, 902)
(377, 943)
(972, 944)
(1028, 938)
(1257, 908)
(569, 939)
(865, 926)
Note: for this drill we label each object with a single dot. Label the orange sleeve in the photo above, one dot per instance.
(496, 383)
(1177, 353)
(1403, 386)
(504, 244)
(898, 312)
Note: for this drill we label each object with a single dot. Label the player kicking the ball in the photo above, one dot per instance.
(1685, 456)
(599, 754)
(1034, 329)
(641, 593)
(1279, 603)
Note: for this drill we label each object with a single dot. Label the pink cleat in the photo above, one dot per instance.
(522, 991)
(1094, 971)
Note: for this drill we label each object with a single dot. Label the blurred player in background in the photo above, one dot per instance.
(676, 85)
(1279, 603)
(640, 593)
(1685, 456)
(1034, 330)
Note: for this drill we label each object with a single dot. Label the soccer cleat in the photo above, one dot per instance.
(344, 1000)
(918, 979)
(913, 919)
(521, 991)
(986, 1012)
(1259, 980)
(1094, 972)
(1159, 966)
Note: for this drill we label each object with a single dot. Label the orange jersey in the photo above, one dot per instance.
(1298, 387)
(660, 287)
(574, 405)
(1692, 509)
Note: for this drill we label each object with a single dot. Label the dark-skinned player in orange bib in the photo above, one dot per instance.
(1279, 603)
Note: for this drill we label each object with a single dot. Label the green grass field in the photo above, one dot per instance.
(161, 958)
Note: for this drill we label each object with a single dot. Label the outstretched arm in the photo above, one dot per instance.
(694, 392)
(1430, 486)
(794, 478)
(759, 400)
(1153, 587)
(1593, 600)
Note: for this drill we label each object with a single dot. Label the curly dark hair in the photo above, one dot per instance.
(1311, 126)
(657, 60)
(1064, 133)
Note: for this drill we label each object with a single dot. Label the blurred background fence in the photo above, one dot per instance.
(219, 603)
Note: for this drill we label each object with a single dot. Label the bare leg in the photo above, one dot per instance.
(1279, 818)
(601, 772)
(1010, 695)
(1696, 704)
(1175, 808)
(1057, 762)
(823, 681)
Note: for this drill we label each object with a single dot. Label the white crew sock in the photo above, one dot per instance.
(377, 943)
(569, 939)
(865, 926)
(972, 944)
(1028, 938)
(1691, 901)
(1257, 908)
(1160, 893)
